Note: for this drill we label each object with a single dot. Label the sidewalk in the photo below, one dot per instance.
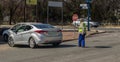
(73, 35)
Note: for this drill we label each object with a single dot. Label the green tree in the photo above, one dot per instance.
(104, 10)
(1, 17)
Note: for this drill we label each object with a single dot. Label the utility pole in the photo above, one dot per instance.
(89, 14)
(62, 12)
(36, 8)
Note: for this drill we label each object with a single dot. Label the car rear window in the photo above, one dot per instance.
(43, 26)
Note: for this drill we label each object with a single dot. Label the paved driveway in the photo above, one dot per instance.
(99, 48)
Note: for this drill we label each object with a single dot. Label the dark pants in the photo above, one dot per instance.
(81, 40)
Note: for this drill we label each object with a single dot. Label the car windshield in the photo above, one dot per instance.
(43, 26)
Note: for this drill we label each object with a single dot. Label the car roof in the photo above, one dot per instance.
(29, 23)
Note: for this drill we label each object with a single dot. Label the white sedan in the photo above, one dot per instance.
(33, 34)
(92, 24)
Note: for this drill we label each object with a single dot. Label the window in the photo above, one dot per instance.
(43, 26)
(28, 28)
(21, 29)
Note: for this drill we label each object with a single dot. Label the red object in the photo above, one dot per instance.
(40, 31)
(74, 17)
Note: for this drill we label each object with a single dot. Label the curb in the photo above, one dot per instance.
(93, 33)
(97, 32)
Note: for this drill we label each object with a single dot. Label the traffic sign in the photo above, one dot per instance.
(84, 6)
(55, 4)
(31, 2)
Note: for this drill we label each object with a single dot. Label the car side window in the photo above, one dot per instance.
(28, 28)
(21, 29)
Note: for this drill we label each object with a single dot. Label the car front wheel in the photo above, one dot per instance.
(11, 42)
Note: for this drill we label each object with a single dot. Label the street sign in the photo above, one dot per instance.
(31, 2)
(55, 4)
(84, 6)
(74, 17)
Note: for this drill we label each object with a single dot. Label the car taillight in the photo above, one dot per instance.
(41, 31)
(59, 31)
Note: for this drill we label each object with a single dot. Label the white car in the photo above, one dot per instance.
(92, 24)
(33, 34)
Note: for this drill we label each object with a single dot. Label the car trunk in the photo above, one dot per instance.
(51, 32)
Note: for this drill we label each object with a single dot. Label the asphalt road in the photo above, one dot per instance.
(103, 47)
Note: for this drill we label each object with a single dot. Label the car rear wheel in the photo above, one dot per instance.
(11, 42)
(56, 44)
(32, 43)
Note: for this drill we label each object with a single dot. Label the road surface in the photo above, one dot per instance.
(103, 47)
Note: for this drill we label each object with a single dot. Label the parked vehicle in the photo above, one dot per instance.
(92, 23)
(2, 30)
(33, 34)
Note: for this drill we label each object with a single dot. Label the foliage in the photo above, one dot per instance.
(104, 10)
(101, 11)
(1, 17)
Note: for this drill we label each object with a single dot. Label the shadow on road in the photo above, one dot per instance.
(1, 41)
(47, 46)
(99, 47)
(66, 46)
(102, 47)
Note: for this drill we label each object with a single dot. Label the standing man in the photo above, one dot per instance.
(82, 33)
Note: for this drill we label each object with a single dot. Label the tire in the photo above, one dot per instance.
(11, 42)
(32, 43)
(56, 44)
(5, 37)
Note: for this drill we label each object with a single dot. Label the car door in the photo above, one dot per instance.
(13, 31)
(27, 33)
(18, 36)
